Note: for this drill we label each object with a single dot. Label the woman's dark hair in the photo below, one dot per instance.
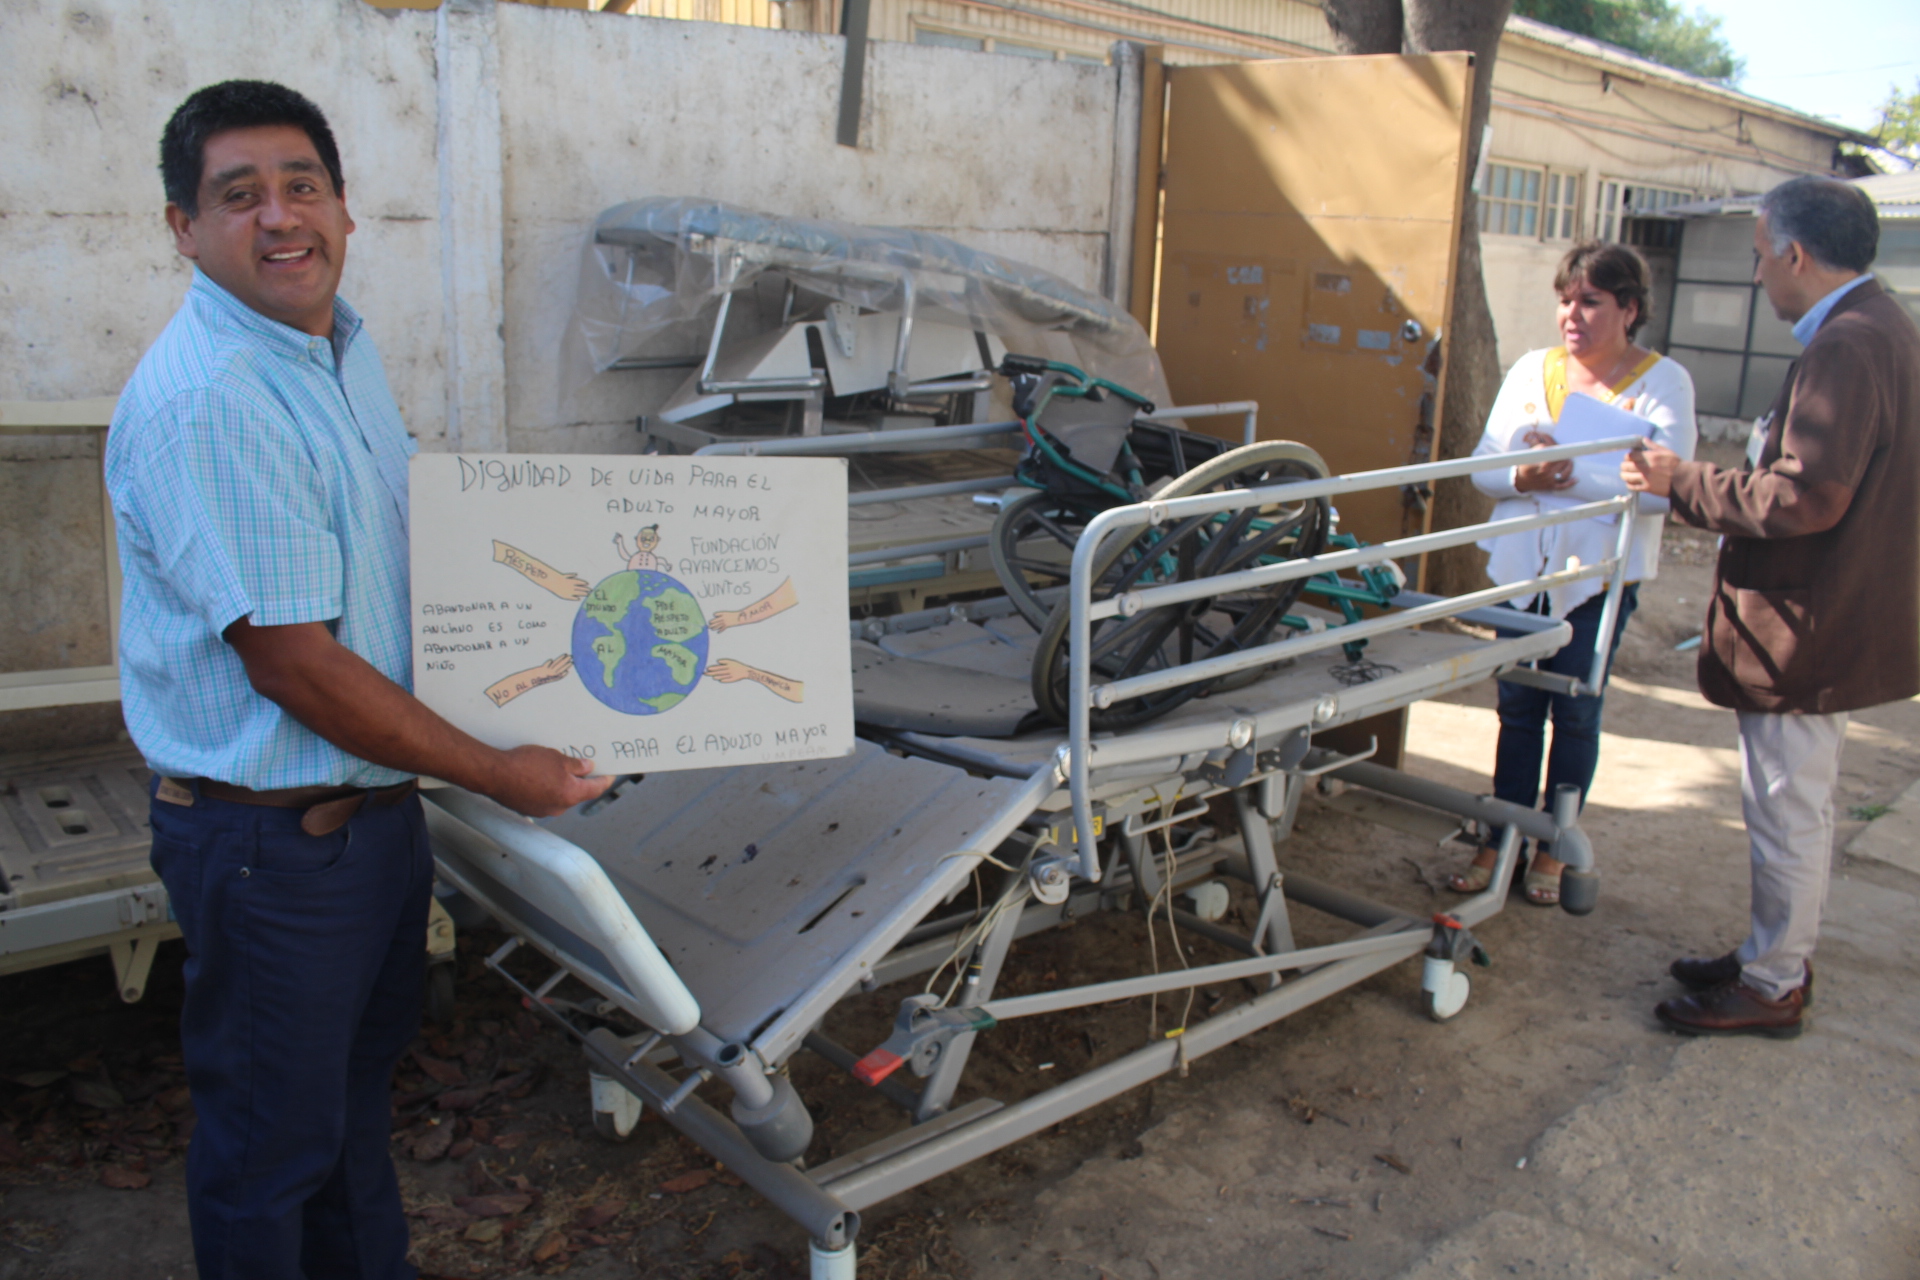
(1610, 268)
(235, 104)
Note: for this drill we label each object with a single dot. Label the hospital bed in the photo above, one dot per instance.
(716, 918)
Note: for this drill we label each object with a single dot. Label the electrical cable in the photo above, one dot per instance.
(1562, 117)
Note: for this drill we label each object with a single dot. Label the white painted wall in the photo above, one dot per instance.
(479, 143)
(1004, 154)
(461, 235)
(85, 87)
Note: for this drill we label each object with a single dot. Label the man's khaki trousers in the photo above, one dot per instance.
(1788, 766)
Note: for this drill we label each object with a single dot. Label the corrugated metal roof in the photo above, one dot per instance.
(1629, 62)
(1894, 195)
(1892, 188)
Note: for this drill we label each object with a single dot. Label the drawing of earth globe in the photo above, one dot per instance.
(640, 642)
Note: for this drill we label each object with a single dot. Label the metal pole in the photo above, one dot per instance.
(872, 496)
(857, 441)
(713, 341)
(1603, 644)
(880, 555)
(1251, 408)
(1208, 668)
(853, 71)
(1079, 680)
(1334, 561)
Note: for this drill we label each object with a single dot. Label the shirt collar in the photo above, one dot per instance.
(283, 338)
(1809, 324)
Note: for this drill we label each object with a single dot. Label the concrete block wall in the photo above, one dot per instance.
(479, 142)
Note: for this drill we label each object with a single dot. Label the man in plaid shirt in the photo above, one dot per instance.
(258, 469)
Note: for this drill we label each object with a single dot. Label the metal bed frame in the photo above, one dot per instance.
(728, 969)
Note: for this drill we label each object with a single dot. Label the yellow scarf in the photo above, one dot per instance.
(1555, 377)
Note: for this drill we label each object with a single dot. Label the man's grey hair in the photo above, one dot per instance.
(1833, 221)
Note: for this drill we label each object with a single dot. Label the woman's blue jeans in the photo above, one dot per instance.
(1525, 710)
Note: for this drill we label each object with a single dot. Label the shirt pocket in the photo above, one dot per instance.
(1767, 638)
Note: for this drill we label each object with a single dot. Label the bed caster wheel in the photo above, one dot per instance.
(827, 1263)
(440, 1005)
(615, 1110)
(1444, 988)
(1579, 891)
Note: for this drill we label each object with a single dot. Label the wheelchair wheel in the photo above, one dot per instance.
(1169, 636)
(1032, 548)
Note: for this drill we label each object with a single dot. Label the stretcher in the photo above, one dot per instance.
(718, 917)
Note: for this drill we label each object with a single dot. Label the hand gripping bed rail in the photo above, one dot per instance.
(1082, 696)
(553, 892)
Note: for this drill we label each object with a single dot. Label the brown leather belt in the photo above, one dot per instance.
(327, 809)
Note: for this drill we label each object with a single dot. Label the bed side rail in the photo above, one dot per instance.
(553, 890)
(1084, 695)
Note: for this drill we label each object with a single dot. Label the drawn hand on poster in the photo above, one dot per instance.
(727, 671)
(640, 641)
(504, 691)
(780, 600)
(567, 586)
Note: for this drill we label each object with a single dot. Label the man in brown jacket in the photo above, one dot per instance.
(1816, 598)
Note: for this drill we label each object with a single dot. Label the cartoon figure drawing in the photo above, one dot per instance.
(640, 641)
(644, 542)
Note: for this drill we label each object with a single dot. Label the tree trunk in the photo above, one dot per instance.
(1473, 363)
(1366, 26)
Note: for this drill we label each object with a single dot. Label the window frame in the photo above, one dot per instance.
(1613, 204)
(1548, 214)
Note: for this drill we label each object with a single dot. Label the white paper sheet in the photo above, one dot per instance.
(645, 613)
(1583, 419)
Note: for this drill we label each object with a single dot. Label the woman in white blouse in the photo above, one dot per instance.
(1603, 302)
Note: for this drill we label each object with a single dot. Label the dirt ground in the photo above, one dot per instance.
(1551, 1128)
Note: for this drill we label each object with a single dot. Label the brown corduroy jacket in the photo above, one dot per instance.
(1816, 597)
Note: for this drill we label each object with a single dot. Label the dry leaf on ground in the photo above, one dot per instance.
(496, 1206)
(443, 1072)
(434, 1143)
(687, 1182)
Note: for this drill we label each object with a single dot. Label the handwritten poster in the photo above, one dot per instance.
(644, 613)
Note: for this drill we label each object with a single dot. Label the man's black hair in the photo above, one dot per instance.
(235, 104)
(1834, 221)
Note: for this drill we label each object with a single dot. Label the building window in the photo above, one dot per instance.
(1618, 200)
(1510, 206)
(1520, 200)
(1563, 206)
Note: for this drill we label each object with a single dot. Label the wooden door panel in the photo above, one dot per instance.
(1310, 213)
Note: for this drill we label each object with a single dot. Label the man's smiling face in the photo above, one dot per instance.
(271, 230)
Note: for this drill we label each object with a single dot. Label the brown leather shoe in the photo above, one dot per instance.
(1704, 975)
(1735, 1009)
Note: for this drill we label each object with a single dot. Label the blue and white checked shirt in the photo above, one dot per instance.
(256, 472)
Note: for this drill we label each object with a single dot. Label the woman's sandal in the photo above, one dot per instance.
(1474, 879)
(1542, 888)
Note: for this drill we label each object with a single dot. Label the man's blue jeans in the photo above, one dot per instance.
(1524, 711)
(305, 961)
